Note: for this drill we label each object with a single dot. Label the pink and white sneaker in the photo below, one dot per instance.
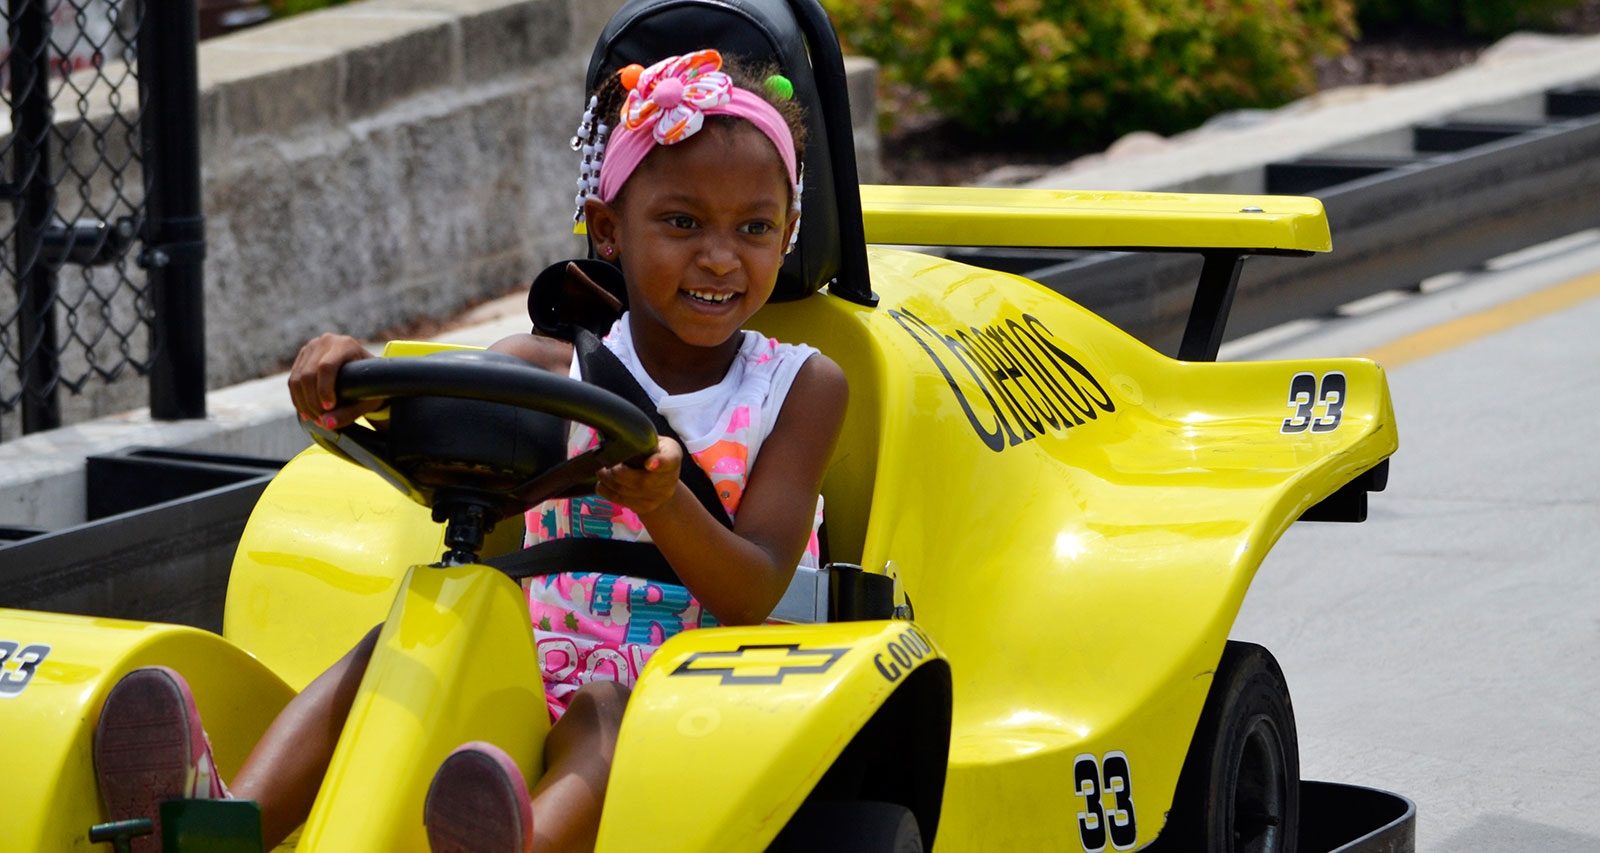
(149, 747)
(478, 803)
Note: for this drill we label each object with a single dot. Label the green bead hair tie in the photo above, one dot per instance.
(780, 86)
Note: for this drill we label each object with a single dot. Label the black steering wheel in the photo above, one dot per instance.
(481, 432)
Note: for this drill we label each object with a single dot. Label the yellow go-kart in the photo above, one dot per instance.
(1040, 530)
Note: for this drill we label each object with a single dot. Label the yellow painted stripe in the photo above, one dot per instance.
(1466, 329)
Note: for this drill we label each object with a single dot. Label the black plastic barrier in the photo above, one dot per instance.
(163, 526)
(1352, 819)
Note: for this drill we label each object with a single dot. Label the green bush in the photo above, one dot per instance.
(1484, 18)
(285, 8)
(1087, 70)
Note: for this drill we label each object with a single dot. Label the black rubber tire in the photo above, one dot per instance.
(850, 826)
(1239, 791)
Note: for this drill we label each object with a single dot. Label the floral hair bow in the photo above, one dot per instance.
(672, 95)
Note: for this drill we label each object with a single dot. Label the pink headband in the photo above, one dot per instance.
(627, 147)
(668, 103)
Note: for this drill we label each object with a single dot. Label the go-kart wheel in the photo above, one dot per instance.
(850, 826)
(1239, 791)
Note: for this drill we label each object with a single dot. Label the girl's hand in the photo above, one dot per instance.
(646, 488)
(315, 374)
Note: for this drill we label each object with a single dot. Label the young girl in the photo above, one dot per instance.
(696, 198)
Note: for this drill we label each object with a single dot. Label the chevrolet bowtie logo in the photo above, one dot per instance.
(761, 664)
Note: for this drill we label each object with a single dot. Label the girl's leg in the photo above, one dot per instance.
(577, 762)
(478, 804)
(286, 768)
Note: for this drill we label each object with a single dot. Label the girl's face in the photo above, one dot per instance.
(700, 229)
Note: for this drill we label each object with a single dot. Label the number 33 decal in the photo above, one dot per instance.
(1095, 823)
(1306, 395)
(14, 679)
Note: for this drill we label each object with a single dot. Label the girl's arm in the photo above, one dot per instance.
(740, 575)
(552, 354)
(312, 380)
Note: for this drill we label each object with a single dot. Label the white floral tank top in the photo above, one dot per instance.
(602, 624)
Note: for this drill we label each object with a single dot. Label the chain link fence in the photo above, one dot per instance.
(88, 241)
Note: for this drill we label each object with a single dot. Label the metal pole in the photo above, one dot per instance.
(31, 118)
(174, 225)
(1213, 299)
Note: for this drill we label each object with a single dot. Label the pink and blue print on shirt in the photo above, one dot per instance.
(595, 626)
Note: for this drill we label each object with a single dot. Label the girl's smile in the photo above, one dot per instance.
(710, 297)
(700, 230)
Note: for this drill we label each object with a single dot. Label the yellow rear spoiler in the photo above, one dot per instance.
(1070, 219)
(1087, 219)
(1221, 228)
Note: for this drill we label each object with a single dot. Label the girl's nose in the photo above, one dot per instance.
(718, 257)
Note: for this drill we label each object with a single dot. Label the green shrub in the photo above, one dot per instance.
(1087, 70)
(1484, 18)
(285, 8)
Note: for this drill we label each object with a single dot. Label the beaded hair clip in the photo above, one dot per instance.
(591, 140)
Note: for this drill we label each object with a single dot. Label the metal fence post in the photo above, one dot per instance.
(175, 227)
(33, 195)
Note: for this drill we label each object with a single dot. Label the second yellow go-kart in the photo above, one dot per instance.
(1041, 532)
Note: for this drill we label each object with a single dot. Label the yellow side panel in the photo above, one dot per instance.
(836, 327)
(319, 563)
(983, 216)
(729, 729)
(49, 788)
(1075, 518)
(455, 662)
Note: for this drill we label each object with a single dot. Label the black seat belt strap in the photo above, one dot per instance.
(634, 559)
(601, 367)
(637, 559)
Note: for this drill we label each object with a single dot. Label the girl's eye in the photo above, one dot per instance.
(758, 228)
(681, 221)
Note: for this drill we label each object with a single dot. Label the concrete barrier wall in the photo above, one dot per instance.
(376, 163)
(382, 161)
